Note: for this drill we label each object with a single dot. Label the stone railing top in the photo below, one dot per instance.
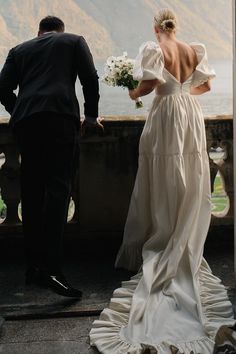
(123, 118)
(4, 120)
(220, 117)
(143, 117)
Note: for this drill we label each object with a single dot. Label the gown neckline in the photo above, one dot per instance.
(179, 82)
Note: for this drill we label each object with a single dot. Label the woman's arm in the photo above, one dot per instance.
(144, 88)
(201, 89)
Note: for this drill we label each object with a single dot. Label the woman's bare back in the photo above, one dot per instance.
(180, 59)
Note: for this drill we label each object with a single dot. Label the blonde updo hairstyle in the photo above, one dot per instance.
(166, 20)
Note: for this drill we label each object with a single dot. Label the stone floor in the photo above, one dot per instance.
(39, 322)
(54, 336)
(96, 278)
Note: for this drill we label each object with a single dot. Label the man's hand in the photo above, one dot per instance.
(100, 123)
(86, 124)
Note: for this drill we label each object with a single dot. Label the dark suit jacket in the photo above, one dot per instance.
(45, 69)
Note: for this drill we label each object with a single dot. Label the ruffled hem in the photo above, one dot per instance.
(217, 311)
(216, 307)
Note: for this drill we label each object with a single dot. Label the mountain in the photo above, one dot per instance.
(111, 27)
(19, 22)
(130, 22)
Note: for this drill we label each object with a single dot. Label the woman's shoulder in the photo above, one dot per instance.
(186, 47)
(149, 62)
(198, 47)
(148, 47)
(197, 44)
(201, 52)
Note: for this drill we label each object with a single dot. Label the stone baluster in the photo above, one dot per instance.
(226, 170)
(219, 132)
(10, 177)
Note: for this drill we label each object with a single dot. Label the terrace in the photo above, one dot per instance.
(100, 199)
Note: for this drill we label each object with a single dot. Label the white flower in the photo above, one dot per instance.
(118, 71)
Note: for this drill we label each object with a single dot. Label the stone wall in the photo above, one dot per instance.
(106, 174)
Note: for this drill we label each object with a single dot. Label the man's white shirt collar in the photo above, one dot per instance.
(49, 32)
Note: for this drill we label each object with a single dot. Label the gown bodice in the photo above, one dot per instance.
(172, 86)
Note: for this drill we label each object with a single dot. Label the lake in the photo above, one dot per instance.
(115, 100)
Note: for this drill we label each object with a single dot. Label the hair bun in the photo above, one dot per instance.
(168, 25)
(166, 20)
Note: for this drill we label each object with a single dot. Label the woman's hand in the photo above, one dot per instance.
(133, 94)
(144, 88)
(201, 89)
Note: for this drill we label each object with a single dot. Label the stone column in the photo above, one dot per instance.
(234, 113)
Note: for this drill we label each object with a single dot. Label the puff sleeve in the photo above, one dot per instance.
(149, 63)
(203, 71)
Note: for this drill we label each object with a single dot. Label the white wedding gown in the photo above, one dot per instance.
(174, 304)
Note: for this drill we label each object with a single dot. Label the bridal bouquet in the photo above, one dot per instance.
(119, 72)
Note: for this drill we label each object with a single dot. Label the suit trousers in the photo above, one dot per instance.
(49, 147)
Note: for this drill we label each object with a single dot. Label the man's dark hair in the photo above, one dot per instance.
(51, 23)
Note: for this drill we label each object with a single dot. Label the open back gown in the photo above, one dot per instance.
(174, 304)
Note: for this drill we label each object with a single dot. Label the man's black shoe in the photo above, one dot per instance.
(55, 282)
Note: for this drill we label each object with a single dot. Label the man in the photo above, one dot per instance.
(45, 118)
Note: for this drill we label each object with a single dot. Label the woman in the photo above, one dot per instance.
(174, 304)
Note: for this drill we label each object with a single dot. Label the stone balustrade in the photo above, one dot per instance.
(106, 173)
